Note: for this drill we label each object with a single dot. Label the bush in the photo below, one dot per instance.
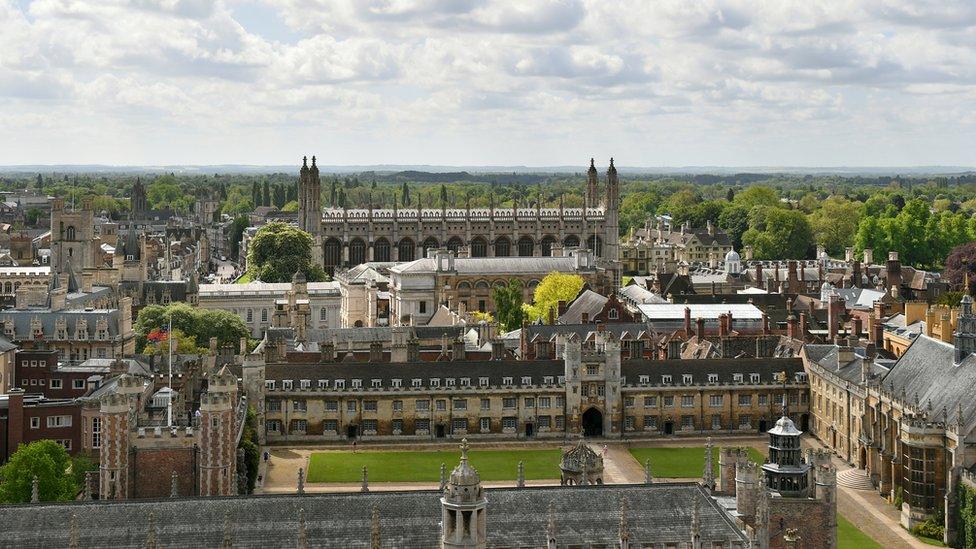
(929, 529)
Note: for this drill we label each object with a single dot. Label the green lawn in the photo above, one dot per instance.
(681, 462)
(849, 537)
(244, 279)
(426, 466)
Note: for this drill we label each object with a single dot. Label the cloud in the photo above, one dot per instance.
(663, 82)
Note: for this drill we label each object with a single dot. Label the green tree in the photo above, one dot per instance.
(227, 327)
(637, 207)
(165, 193)
(49, 462)
(734, 220)
(290, 206)
(278, 251)
(266, 195)
(280, 196)
(757, 195)
(237, 228)
(555, 287)
(405, 195)
(158, 317)
(252, 452)
(508, 304)
(255, 194)
(443, 195)
(777, 233)
(835, 224)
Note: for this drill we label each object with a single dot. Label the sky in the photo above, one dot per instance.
(478, 82)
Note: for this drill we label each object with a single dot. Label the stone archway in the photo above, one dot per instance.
(592, 423)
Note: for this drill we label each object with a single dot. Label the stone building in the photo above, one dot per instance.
(257, 302)
(653, 248)
(591, 387)
(907, 424)
(349, 237)
(419, 287)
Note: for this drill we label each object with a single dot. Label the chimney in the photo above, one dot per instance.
(792, 327)
(856, 274)
(87, 278)
(700, 325)
(759, 277)
(765, 324)
(497, 349)
(749, 253)
(22, 297)
(868, 256)
(893, 270)
(710, 227)
(375, 351)
(457, 349)
(585, 318)
(845, 353)
(834, 309)
(674, 349)
(15, 420)
(722, 327)
(856, 326)
(849, 254)
(803, 326)
(687, 322)
(562, 307)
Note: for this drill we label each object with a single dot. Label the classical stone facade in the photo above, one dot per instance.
(257, 303)
(349, 237)
(590, 388)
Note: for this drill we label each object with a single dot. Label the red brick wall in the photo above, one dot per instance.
(72, 433)
(153, 470)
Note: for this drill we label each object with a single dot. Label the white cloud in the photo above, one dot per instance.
(670, 82)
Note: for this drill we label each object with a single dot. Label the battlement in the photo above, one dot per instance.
(216, 402)
(114, 404)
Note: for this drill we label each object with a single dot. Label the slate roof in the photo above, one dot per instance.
(826, 357)
(22, 321)
(588, 302)
(927, 369)
(676, 311)
(493, 265)
(639, 294)
(658, 513)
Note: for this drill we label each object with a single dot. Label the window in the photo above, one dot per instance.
(486, 404)
(716, 401)
(544, 422)
(650, 402)
(357, 384)
(269, 384)
(304, 383)
(397, 426)
(274, 405)
(506, 381)
(629, 402)
(299, 405)
(369, 405)
(745, 422)
(561, 423)
(665, 380)
(612, 314)
(330, 426)
(331, 405)
(737, 378)
(650, 423)
(350, 405)
(459, 425)
(449, 382)
(509, 403)
(713, 378)
(485, 424)
(339, 384)
(483, 381)
(465, 382)
(669, 402)
(396, 383)
(435, 382)
(592, 370)
(547, 380)
(250, 315)
(545, 402)
(417, 382)
(301, 425)
(58, 421)
(460, 404)
(55, 383)
(422, 405)
(529, 402)
(273, 425)
(264, 315)
(441, 405)
(96, 432)
(629, 423)
(376, 383)
(687, 401)
(510, 423)
(687, 422)
(526, 380)
(763, 400)
(643, 379)
(287, 384)
(745, 401)
(397, 405)
(423, 307)
(753, 378)
(687, 379)
(323, 384)
(421, 426)
(370, 426)
(560, 401)
(716, 422)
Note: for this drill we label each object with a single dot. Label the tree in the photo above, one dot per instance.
(255, 194)
(49, 462)
(192, 328)
(252, 452)
(960, 262)
(290, 206)
(443, 195)
(555, 287)
(40, 182)
(835, 223)
(757, 195)
(734, 220)
(405, 195)
(236, 233)
(165, 193)
(278, 251)
(508, 304)
(777, 233)
(280, 196)
(266, 195)
(227, 327)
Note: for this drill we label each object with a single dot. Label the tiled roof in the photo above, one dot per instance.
(493, 265)
(658, 513)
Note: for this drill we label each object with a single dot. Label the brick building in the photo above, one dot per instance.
(29, 418)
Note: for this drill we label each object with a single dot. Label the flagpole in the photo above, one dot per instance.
(169, 342)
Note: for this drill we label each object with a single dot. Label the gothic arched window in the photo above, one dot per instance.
(526, 247)
(503, 247)
(333, 253)
(546, 245)
(454, 244)
(406, 250)
(429, 243)
(479, 247)
(357, 252)
(572, 241)
(381, 250)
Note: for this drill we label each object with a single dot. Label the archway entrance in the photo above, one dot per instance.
(593, 423)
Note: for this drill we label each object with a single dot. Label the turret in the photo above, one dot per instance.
(592, 183)
(114, 450)
(218, 437)
(464, 507)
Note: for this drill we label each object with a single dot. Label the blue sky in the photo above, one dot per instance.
(477, 82)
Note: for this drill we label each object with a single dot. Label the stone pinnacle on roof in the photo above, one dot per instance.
(173, 486)
(35, 491)
(151, 535)
(73, 532)
(374, 528)
(551, 526)
(302, 530)
(228, 542)
(365, 487)
(624, 533)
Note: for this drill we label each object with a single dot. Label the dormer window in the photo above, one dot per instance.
(435, 382)
(737, 378)
(376, 383)
(305, 383)
(753, 378)
(416, 382)
(287, 384)
(713, 378)
(547, 380)
(449, 382)
(465, 382)
(526, 380)
(340, 384)
(643, 380)
(483, 381)
(687, 379)
(396, 383)
(269, 384)
(506, 381)
(357, 384)
(612, 314)
(323, 383)
(666, 380)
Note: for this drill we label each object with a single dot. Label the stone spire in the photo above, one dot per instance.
(35, 491)
(301, 481)
(520, 477)
(89, 478)
(151, 540)
(302, 530)
(174, 490)
(623, 531)
(443, 476)
(551, 526)
(365, 487)
(464, 507)
(708, 476)
(374, 528)
(695, 526)
(648, 479)
(228, 542)
(73, 532)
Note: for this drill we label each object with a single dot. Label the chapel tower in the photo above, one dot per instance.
(218, 435)
(592, 184)
(611, 237)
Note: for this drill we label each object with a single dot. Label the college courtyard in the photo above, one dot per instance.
(864, 520)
